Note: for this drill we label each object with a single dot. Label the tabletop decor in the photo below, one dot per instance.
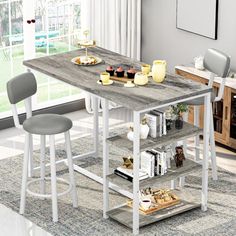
(146, 68)
(86, 60)
(140, 78)
(159, 70)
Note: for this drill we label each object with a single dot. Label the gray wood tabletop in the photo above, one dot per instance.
(139, 98)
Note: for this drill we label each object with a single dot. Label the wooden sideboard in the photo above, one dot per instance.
(224, 111)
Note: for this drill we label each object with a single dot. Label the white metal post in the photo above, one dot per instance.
(105, 157)
(95, 125)
(196, 123)
(136, 161)
(206, 128)
(31, 150)
(42, 163)
(71, 170)
(213, 147)
(53, 178)
(24, 174)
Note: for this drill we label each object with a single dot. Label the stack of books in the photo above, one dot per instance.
(128, 173)
(155, 162)
(156, 121)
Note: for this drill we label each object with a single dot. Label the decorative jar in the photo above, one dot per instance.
(159, 70)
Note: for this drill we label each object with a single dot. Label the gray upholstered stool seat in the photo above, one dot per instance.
(47, 124)
(200, 101)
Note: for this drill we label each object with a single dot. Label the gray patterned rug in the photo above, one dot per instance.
(220, 219)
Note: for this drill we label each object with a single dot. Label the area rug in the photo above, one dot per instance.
(220, 219)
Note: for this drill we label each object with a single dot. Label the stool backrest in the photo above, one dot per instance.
(218, 63)
(20, 88)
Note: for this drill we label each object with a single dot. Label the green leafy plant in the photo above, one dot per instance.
(179, 109)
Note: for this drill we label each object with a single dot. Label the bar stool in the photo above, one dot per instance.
(20, 88)
(217, 63)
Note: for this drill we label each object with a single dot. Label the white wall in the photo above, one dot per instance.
(161, 39)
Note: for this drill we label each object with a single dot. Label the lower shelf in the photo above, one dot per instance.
(124, 214)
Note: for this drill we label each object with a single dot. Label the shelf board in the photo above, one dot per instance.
(124, 214)
(173, 135)
(172, 173)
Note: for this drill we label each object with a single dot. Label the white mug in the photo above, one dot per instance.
(145, 203)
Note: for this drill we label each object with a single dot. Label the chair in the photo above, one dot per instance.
(21, 88)
(217, 63)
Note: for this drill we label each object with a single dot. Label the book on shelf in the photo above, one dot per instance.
(147, 163)
(128, 173)
(162, 115)
(155, 162)
(155, 124)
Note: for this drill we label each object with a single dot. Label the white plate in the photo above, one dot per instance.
(84, 63)
(109, 83)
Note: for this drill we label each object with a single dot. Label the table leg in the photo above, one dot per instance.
(105, 115)
(95, 125)
(206, 136)
(136, 156)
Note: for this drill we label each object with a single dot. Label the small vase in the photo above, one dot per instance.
(144, 130)
(179, 122)
(159, 70)
(130, 135)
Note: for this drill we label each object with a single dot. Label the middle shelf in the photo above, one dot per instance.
(172, 173)
(173, 135)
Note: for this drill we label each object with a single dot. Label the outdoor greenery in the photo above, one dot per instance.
(11, 58)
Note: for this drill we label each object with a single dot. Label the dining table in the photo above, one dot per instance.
(140, 100)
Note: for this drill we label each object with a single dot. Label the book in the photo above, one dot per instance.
(152, 124)
(147, 163)
(128, 176)
(162, 115)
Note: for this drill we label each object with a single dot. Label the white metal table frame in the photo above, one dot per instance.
(136, 156)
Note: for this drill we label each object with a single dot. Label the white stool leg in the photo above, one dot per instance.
(213, 148)
(53, 178)
(30, 162)
(42, 163)
(71, 170)
(25, 173)
(196, 123)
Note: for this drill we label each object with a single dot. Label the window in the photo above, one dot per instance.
(57, 29)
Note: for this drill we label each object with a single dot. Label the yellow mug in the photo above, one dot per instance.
(146, 68)
(105, 77)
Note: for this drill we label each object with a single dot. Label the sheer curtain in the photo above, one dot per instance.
(115, 25)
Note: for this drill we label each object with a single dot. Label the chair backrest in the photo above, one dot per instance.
(21, 87)
(217, 62)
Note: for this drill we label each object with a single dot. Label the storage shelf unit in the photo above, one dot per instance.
(123, 214)
(223, 111)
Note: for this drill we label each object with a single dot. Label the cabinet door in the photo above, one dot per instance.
(232, 132)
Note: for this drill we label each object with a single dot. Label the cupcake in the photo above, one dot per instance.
(110, 70)
(120, 72)
(131, 73)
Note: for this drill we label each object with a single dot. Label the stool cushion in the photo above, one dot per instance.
(200, 101)
(47, 124)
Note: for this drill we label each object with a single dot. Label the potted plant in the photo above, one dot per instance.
(178, 111)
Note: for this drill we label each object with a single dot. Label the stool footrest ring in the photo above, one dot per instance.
(48, 195)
